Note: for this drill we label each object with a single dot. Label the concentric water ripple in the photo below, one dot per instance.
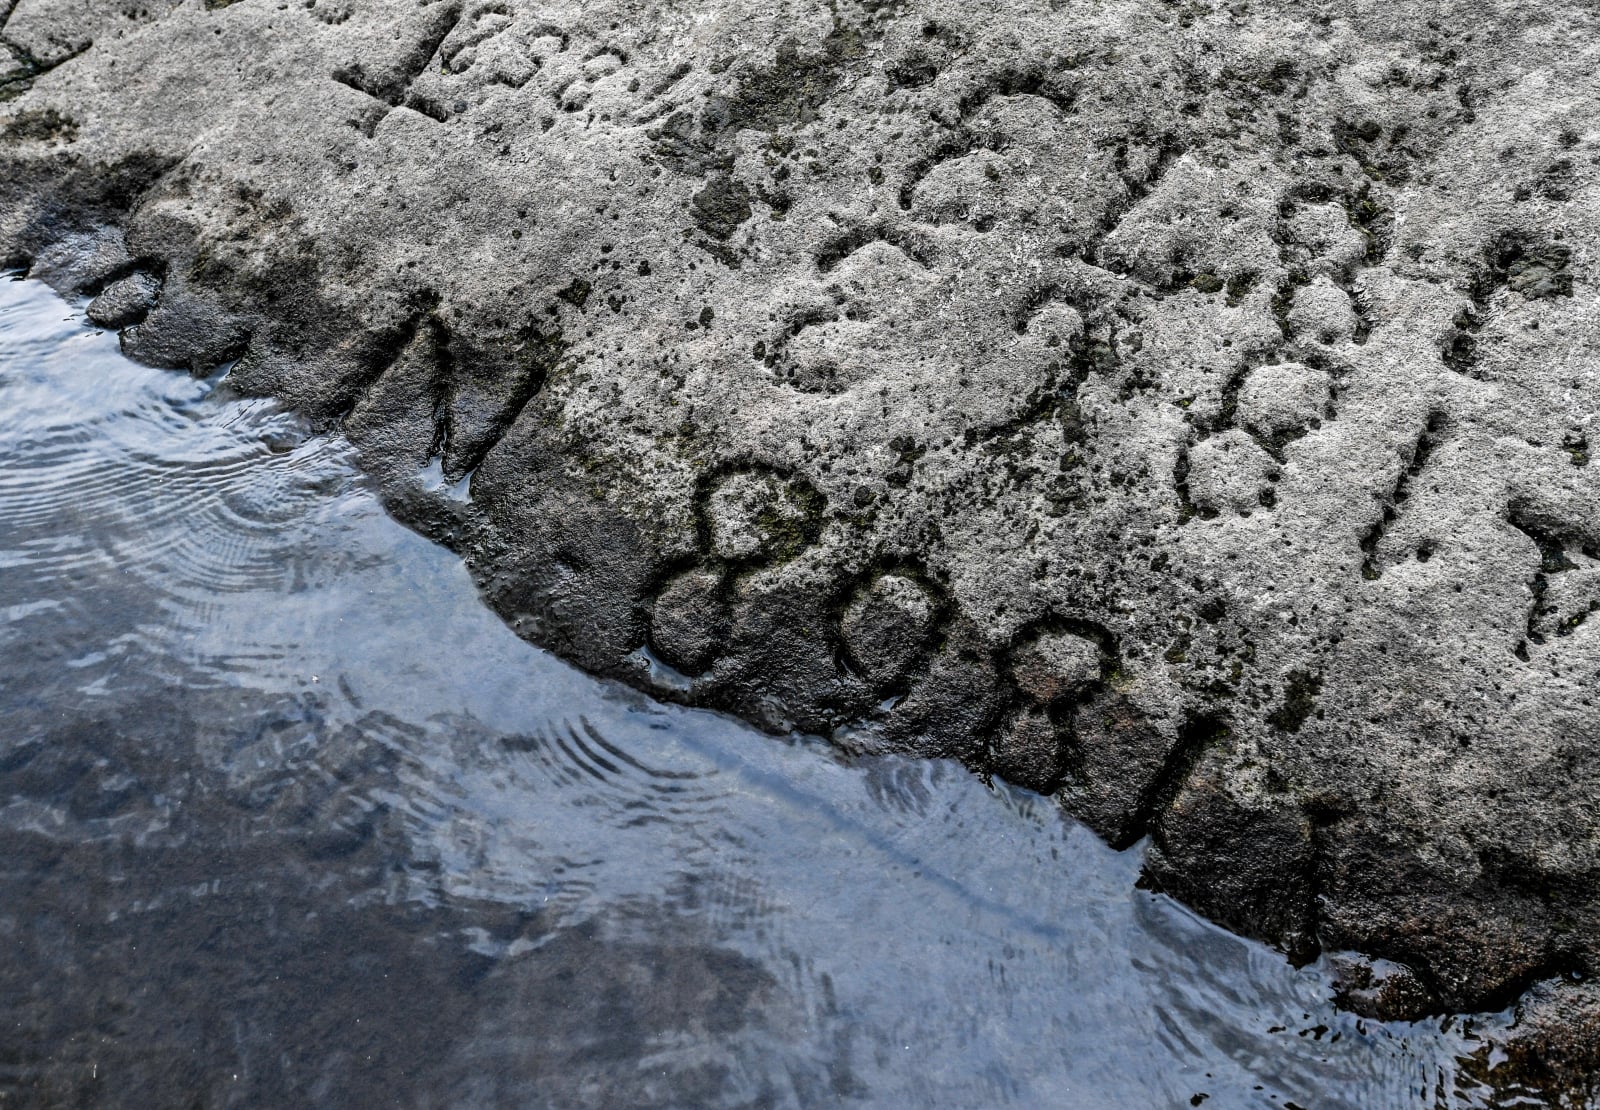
(289, 819)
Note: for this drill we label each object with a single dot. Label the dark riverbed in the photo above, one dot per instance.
(288, 818)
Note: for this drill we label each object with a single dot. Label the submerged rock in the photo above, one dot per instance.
(848, 354)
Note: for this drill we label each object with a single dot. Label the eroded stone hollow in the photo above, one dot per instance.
(1181, 408)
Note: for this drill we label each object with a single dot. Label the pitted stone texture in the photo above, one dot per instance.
(798, 291)
(1229, 472)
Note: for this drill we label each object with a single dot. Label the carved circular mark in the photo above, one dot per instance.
(887, 625)
(1053, 665)
(1057, 665)
(1324, 312)
(689, 621)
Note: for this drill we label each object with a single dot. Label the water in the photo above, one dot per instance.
(288, 818)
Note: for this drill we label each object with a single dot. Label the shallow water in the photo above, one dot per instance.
(288, 818)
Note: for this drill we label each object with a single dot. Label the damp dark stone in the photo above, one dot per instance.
(886, 626)
(689, 620)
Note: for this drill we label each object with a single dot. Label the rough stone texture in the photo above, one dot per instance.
(842, 351)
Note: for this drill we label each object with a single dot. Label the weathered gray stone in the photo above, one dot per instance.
(1029, 750)
(1057, 665)
(1323, 312)
(1230, 472)
(783, 295)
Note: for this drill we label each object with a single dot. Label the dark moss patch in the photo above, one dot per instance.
(913, 71)
(1529, 265)
(1371, 565)
(576, 294)
(1373, 219)
(41, 125)
(720, 207)
(1299, 701)
(1461, 351)
(1241, 285)
(795, 88)
(1576, 445)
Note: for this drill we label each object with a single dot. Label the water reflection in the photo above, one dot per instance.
(287, 817)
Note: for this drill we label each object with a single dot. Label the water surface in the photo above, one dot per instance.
(288, 818)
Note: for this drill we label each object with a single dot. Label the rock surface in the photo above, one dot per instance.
(1182, 407)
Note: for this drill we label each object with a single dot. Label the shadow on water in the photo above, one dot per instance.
(287, 817)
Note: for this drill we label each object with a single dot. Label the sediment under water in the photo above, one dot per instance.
(288, 818)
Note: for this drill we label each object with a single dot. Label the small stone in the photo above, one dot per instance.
(125, 302)
(1380, 989)
(185, 333)
(602, 65)
(1057, 325)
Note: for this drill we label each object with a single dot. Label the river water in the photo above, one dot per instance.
(287, 818)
